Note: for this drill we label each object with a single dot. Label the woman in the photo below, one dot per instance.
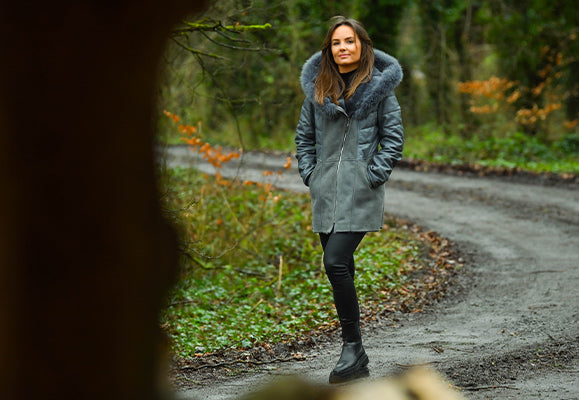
(349, 138)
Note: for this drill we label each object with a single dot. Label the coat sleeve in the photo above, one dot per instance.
(306, 141)
(391, 136)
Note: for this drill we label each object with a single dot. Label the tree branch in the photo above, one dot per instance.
(228, 46)
(254, 362)
(218, 26)
(198, 52)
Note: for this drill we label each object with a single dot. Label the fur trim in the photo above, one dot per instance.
(387, 74)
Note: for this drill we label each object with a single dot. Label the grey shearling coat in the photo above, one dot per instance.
(346, 157)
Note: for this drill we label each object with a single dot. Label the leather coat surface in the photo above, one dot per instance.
(346, 151)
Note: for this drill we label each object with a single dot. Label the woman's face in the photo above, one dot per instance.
(346, 48)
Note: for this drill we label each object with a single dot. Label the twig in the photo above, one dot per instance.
(198, 52)
(188, 380)
(187, 250)
(477, 388)
(236, 40)
(233, 362)
(280, 274)
(547, 271)
(178, 303)
(417, 365)
(218, 26)
(217, 257)
(437, 349)
(229, 46)
(205, 267)
(255, 306)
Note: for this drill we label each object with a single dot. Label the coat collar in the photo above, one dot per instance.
(387, 74)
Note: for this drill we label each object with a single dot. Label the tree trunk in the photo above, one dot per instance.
(438, 68)
(462, 37)
(572, 103)
(86, 258)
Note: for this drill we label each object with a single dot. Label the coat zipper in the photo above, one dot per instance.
(343, 143)
(340, 160)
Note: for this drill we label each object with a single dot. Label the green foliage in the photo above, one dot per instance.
(569, 144)
(252, 99)
(247, 97)
(529, 25)
(541, 31)
(382, 20)
(512, 151)
(256, 276)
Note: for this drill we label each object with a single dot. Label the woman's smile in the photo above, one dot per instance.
(346, 48)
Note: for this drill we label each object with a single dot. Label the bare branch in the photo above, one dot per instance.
(198, 52)
(228, 46)
(228, 37)
(254, 362)
(205, 267)
(218, 26)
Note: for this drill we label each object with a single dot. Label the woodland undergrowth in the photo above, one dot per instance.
(251, 272)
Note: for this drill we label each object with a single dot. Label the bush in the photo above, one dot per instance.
(513, 151)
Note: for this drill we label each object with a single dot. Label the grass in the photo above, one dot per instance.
(513, 151)
(251, 271)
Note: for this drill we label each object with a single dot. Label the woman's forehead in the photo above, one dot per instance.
(343, 32)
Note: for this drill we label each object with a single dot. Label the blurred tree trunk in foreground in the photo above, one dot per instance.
(85, 255)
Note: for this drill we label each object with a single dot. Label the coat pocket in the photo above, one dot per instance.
(313, 175)
(364, 174)
(368, 206)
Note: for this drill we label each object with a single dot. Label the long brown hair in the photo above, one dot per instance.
(329, 83)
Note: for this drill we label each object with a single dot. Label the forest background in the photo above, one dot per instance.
(486, 81)
(490, 83)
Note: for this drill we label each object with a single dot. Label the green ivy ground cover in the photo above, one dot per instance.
(251, 271)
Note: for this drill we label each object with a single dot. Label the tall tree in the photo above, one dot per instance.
(531, 36)
(440, 19)
(381, 19)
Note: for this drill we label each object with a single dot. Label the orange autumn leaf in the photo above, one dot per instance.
(205, 148)
(187, 129)
(493, 87)
(514, 97)
(214, 155)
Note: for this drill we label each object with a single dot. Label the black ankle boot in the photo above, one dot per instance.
(353, 363)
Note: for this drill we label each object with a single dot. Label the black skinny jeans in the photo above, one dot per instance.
(339, 248)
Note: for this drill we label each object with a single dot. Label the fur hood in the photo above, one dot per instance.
(387, 74)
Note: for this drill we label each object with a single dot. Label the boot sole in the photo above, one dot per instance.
(359, 374)
(360, 370)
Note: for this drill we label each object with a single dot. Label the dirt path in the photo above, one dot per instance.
(512, 330)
